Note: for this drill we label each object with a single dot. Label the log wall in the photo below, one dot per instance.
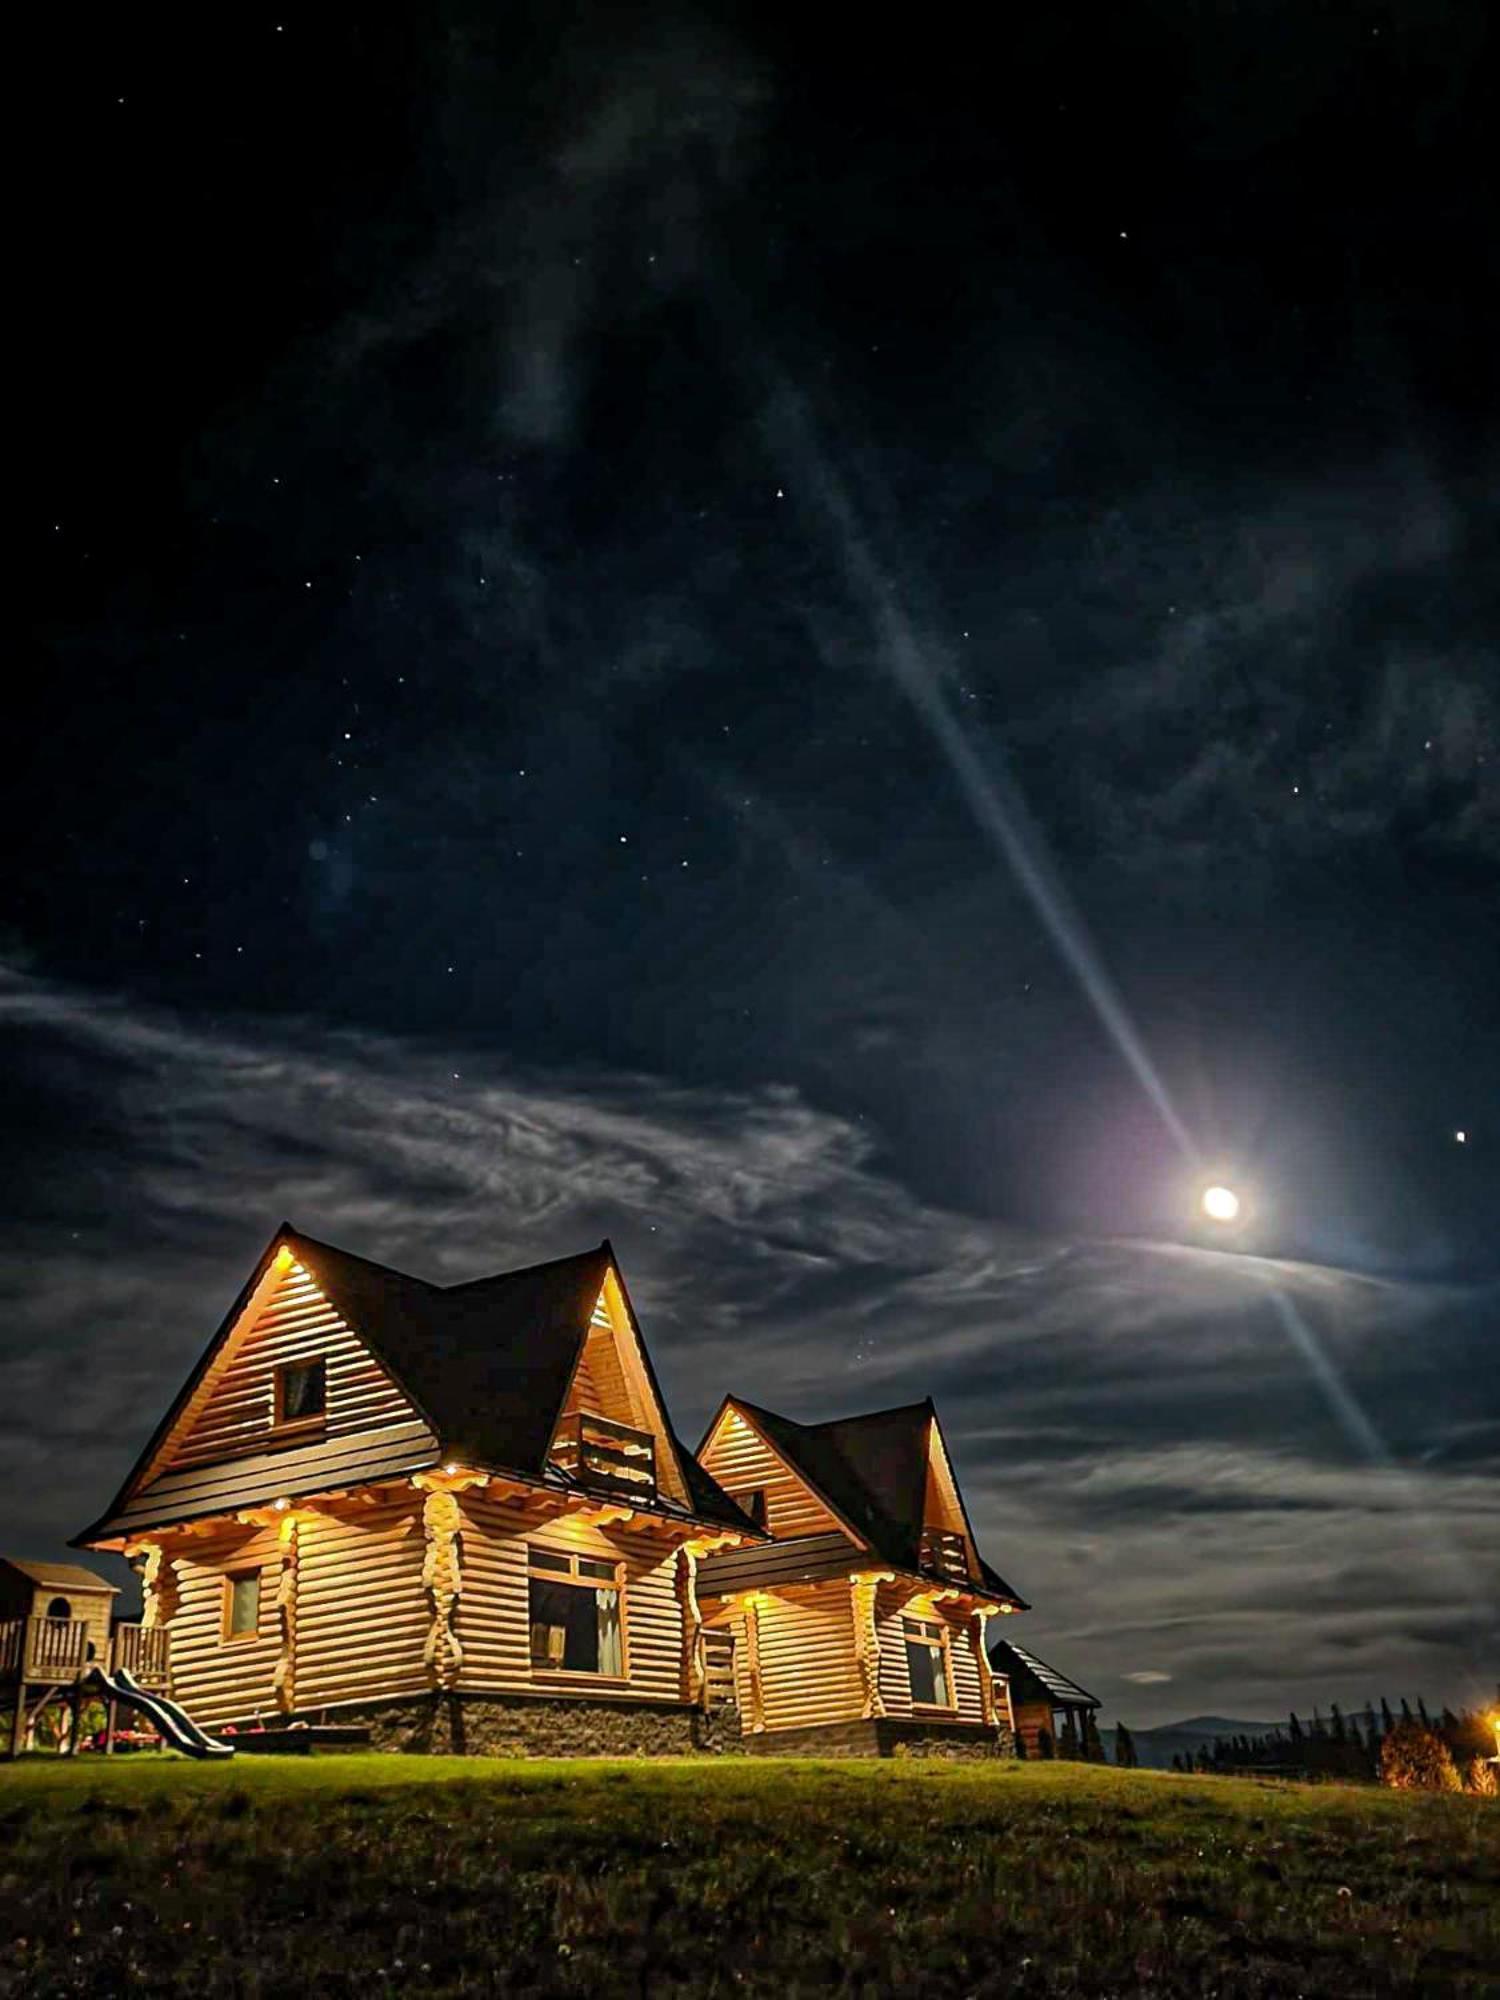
(493, 1618)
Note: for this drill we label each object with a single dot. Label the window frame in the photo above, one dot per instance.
(930, 1632)
(316, 1420)
(570, 1577)
(228, 1634)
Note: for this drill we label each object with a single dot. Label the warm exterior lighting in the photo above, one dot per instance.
(281, 1505)
(1220, 1204)
(450, 1470)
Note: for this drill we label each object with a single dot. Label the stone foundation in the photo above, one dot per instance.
(884, 1736)
(518, 1725)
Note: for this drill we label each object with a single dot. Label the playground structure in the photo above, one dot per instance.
(60, 1647)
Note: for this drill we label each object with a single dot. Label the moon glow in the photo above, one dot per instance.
(1220, 1204)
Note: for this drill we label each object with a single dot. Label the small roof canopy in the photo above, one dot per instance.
(60, 1576)
(1032, 1679)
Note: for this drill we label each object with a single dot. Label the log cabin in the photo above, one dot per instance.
(460, 1516)
(1044, 1702)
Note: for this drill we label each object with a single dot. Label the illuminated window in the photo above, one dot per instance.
(577, 1612)
(301, 1391)
(927, 1663)
(242, 1604)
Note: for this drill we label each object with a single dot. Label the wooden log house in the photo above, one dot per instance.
(460, 1515)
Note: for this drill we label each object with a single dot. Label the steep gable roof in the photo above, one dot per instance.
(486, 1364)
(872, 1471)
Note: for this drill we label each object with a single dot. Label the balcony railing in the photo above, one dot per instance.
(44, 1649)
(945, 1552)
(599, 1452)
(144, 1651)
(59, 1649)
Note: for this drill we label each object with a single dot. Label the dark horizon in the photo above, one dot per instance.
(852, 666)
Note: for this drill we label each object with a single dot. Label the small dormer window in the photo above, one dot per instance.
(301, 1392)
(754, 1504)
(59, 1608)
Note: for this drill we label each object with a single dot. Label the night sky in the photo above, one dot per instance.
(853, 661)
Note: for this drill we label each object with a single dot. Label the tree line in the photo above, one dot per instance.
(1410, 1749)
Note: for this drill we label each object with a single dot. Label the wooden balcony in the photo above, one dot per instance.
(946, 1553)
(599, 1452)
(42, 1650)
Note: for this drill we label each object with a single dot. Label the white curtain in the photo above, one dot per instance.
(611, 1653)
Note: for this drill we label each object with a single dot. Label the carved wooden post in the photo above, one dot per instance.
(442, 1654)
(694, 1684)
(863, 1590)
(284, 1679)
(756, 1719)
(977, 1624)
(158, 1586)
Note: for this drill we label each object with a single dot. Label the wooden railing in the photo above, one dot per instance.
(599, 1452)
(144, 1651)
(946, 1552)
(43, 1649)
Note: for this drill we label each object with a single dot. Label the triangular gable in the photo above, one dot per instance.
(942, 1502)
(748, 1450)
(231, 1410)
(613, 1367)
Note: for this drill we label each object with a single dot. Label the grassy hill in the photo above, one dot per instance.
(382, 1875)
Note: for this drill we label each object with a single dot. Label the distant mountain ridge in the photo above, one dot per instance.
(1155, 1748)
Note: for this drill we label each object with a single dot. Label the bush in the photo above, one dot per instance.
(1480, 1778)
(1415, 1758)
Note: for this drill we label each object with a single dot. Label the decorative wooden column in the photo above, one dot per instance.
(442, 1655)
(863, 1590)
(284, 1679)
(755, 1721)
(982, 1615)
(693, 1675)
(158, 1587)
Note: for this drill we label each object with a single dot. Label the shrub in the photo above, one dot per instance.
(1415, 1758)
(1480, 1778)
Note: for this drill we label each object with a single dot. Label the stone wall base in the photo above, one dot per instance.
(518, 1725)
(883, 1736)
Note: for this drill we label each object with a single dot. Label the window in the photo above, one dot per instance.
(754, 1504)
(927, 1663)
(242, 1604)
(577, 1612)
(59, 1608)
(301, 1391)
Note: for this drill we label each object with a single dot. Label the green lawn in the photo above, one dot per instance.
(405, 1875)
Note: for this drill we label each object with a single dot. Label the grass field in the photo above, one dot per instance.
(386, 1875)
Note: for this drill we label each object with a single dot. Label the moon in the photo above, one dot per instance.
(1220, 1204)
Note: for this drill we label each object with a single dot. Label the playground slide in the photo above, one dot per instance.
(174, 1723)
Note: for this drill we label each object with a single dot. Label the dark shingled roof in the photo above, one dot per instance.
(872, 1471)
(1032, 1679)
(486, 1364)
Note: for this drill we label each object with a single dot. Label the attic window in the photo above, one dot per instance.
(301, 1392)
(754, 1504)
(59, 1608)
